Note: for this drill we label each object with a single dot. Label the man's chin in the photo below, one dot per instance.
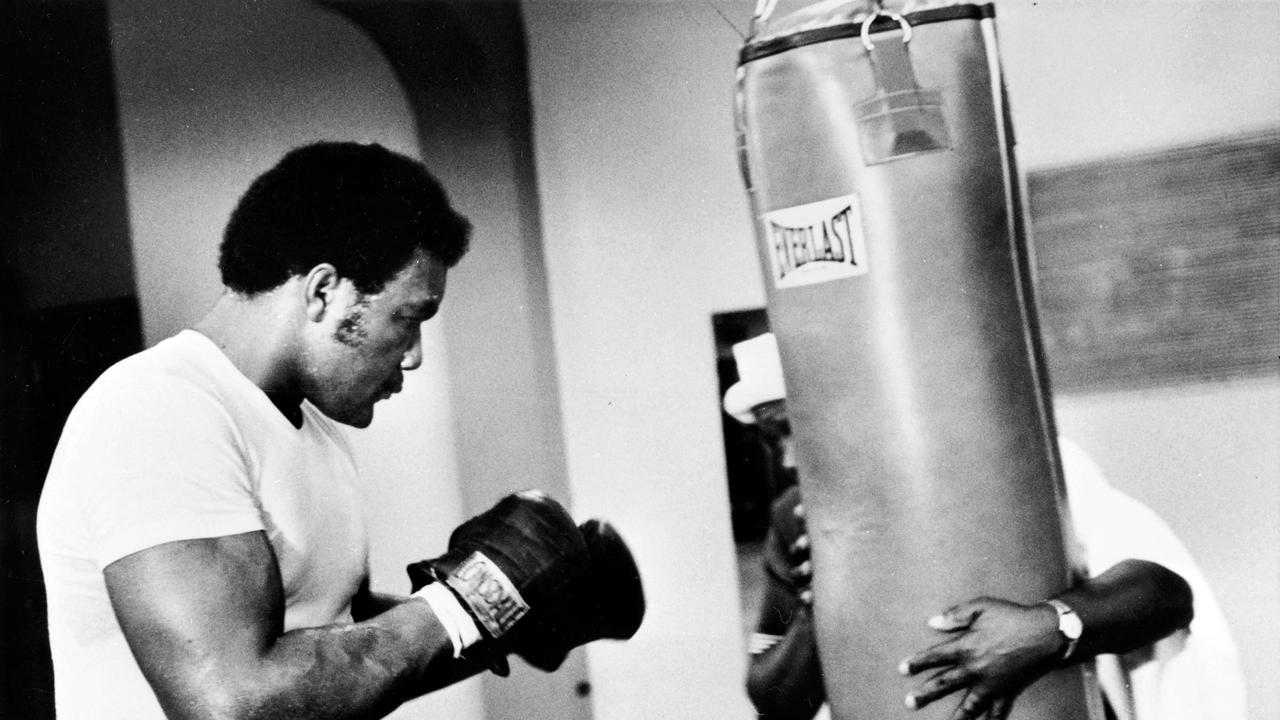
(357, 418)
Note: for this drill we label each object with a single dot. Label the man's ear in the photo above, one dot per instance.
(321, 290)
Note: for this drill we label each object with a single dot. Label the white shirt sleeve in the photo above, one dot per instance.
(159, 461)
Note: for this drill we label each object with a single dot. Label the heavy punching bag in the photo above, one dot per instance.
(878, 157)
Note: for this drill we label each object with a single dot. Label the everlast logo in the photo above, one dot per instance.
(830, 240)
(815, 242)
(495, 601)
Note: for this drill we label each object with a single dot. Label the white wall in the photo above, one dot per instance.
(1094, 79)
(647, 235)
(211, 94)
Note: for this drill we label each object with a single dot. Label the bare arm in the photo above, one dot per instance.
(784, 681)
(995, 648)
(784, 676)
(205, 620)
(1133, 604)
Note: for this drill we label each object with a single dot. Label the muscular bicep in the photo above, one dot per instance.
(205, 620)
(197, 614)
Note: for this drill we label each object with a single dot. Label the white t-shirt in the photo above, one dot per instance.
(1193, 674)
(174, 443)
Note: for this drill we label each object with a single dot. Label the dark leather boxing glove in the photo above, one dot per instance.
(606, 602)
(518, 556)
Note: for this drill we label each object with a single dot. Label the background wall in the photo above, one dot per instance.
(646, 234)
(68, 305)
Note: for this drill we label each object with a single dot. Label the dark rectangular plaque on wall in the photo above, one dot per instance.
(1162, 268)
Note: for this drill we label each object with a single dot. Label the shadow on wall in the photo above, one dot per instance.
(69, 307)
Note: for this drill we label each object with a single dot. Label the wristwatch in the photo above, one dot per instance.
(1069, 625)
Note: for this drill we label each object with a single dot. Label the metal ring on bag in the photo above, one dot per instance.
(764, 8)
(866, 27)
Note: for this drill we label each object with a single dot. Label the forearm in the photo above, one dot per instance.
(205, 620)
(361, 670)
(784, 682)
(1133, 604)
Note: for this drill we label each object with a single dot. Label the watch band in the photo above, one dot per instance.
(1069, 625)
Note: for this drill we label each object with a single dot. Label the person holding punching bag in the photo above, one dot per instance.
(200, 534)
(1145, 615)
(784, 679)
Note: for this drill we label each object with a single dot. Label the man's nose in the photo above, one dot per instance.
(413, 356)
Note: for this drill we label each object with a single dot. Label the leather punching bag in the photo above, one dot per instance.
(878, 157)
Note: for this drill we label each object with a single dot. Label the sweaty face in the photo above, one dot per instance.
(373, 339)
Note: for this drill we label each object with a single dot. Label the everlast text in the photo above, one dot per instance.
(831, 240)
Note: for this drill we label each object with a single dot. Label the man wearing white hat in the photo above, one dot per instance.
(784, 675)
(1134, 615)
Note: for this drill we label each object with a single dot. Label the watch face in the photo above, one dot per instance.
(1069, 624)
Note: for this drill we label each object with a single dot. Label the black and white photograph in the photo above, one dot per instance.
(640, 359)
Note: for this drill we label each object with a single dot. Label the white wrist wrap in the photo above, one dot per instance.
(462, 630)
(758, 643)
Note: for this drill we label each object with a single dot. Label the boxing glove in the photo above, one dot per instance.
(605, 602)
(518, 556)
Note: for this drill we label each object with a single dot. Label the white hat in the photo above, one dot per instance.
(760, 377)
